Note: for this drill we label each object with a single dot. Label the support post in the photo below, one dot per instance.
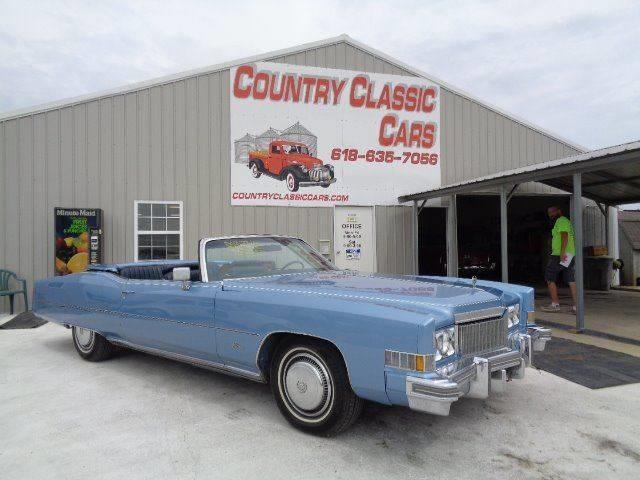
(613, 242)
(579, 267)
(504, 252)
(415, 213)
(452, 238)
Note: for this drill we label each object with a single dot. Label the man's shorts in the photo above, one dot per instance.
(554, 270)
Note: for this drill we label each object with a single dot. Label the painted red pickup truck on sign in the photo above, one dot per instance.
(291, 162)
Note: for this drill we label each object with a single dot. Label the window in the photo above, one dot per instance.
(158, 230)
(257, 256)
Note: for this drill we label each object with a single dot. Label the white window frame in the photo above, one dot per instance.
(136, 233)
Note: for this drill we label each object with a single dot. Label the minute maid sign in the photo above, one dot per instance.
(307, 136)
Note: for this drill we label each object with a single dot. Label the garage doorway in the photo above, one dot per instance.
(528, 236)
(432, 241)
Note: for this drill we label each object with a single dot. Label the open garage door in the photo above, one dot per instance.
(528, 236)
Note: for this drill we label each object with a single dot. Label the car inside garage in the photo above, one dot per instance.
(479, 237)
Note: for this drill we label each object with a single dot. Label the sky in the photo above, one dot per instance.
(572, 68)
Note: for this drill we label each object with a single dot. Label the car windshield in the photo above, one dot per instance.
(260, 256)
(296, 149)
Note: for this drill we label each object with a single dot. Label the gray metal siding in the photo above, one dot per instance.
(594, 225)
(171, 142)
(166, 142)
(476, 141)
(394, 241)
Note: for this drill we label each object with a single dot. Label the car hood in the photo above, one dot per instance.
(406, 292)
(306, 160)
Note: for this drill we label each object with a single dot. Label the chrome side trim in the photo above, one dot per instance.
(308, 335)
(479, 314)
(197, 362)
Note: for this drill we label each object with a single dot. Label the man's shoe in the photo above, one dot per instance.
(550, 308)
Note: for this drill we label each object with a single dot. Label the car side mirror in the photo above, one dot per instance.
(183, 274)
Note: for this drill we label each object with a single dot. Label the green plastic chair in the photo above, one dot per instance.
(5, 289)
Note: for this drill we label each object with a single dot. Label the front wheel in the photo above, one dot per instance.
(311, 386)
(255, 170)
(91, 345)
(292, 182)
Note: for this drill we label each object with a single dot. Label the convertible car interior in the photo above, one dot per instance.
(216, 270)
(150, 271)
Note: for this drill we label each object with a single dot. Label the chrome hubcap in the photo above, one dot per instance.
(254, 170)
(307, 385)
(84, 338)
(290, 181)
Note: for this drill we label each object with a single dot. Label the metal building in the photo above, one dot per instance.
(168, 140)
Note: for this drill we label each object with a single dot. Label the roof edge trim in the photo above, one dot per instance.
(163, 80)
(129, 88)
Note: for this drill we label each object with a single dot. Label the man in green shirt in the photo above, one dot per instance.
(561, 261)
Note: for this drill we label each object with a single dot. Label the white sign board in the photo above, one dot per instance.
(307, 136)
(354, 239)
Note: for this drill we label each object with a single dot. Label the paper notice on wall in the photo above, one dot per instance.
(352, 237)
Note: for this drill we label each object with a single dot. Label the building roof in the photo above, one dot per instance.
(609, 175)
(270, 56)
(629, 222)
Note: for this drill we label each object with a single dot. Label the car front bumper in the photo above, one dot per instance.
(311, 183)
(476, 377)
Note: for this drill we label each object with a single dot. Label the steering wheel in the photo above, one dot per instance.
(293, 262)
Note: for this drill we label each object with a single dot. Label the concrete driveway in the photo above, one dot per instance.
(138, 416)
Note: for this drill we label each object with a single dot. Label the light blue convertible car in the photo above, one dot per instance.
(271, 309)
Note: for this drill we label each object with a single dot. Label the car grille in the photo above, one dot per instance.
(319, 174)
(482, 336)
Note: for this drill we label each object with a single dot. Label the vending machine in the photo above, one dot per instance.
(78, 239)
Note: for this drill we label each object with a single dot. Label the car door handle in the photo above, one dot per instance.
(127, 292)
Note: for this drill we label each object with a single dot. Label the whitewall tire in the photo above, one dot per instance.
(91, 345)
(311, 386)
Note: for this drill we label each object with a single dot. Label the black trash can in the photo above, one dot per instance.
(598, 272)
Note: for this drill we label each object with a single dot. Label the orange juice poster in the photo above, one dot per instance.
(77, 241)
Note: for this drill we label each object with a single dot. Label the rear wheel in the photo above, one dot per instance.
(91, 345)
(292, 182)
(311, 386)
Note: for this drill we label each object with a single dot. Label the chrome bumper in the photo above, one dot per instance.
(311, 183)
(476, 377)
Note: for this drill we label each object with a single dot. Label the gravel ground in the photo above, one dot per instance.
(138, 416)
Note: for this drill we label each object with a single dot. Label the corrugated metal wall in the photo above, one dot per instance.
(477, 141)
(394, 239)
(594, 225)
(171, 142)
(168, 142)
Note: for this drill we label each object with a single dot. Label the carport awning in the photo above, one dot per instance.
(610, 176)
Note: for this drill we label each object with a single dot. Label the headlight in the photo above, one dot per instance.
(303, 168)
(445, 343)
(513, 315)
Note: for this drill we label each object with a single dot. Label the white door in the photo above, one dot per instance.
(354, 238)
